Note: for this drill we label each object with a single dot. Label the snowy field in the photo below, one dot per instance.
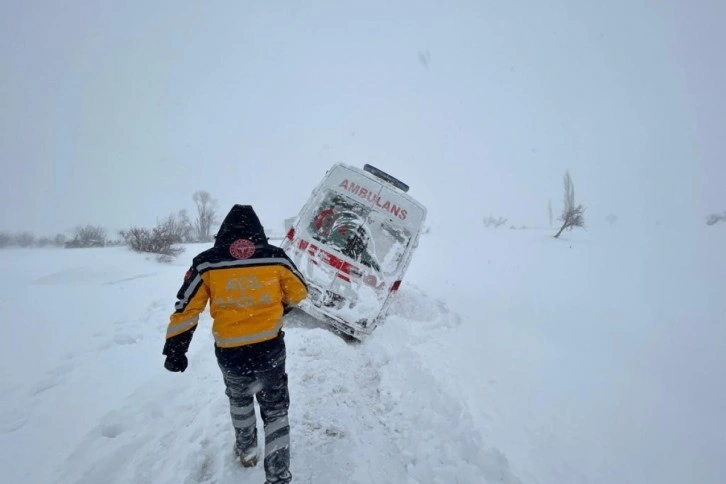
(509, 357)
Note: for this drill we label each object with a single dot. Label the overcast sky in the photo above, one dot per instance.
(116, 112)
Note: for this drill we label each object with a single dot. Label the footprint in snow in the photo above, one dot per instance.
(52, 379)
(11, 420)
(127, 279)
(125, 339)
(112, 430)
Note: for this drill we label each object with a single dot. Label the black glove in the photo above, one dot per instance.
(176, 363)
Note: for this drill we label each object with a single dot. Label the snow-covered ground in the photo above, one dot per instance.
(509, 357)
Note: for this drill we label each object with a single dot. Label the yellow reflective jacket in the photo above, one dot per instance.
(246, 281)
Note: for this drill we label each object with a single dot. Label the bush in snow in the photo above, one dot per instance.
(494, 222)
(59, 240)
(5, 239)
(572, 215)
(714, 218)
(24, 239)
(88, 236)
(44, 242)
(179, 226)
(159, 240)
(611, 219)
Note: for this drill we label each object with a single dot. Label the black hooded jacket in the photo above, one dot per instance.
(240, 223)
(247, 281)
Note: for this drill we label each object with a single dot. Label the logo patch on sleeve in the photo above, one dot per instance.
(188, 275)
(242, 249)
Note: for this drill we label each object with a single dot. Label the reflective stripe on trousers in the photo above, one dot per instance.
(250, 374)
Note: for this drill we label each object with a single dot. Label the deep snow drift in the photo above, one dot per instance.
(508, 357)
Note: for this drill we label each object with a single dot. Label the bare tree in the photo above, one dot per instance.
(186, 227)
(549, 211)
(206, 215)
(572, 215)
(88, 236)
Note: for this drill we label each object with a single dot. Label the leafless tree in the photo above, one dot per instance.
(206, 215)
(25, 239)
(186, 227)
(572, 215)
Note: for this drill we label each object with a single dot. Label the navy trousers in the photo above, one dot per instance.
(258, 371)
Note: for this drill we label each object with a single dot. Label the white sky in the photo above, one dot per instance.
(116, 112)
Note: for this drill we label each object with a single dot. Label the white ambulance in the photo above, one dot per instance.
(353, 241)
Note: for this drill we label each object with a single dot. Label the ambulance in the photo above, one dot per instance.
(353, 241)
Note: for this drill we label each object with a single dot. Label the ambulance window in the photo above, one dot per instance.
(388, 242)
(356, 231)
(339, 223)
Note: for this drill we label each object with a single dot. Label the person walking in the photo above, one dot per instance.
(249, 285)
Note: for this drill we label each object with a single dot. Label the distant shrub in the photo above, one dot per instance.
(59, 240)
(494, 222)
(611, 219)
(88, 236)
(5, 239)
(44, 242)
(159, 240)
(179, 227)
(24, 239)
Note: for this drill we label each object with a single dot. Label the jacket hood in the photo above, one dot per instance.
(240, 223)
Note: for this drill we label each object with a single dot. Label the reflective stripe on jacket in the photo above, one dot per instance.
(246, 295)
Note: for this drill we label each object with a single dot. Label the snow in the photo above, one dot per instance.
(507, 357)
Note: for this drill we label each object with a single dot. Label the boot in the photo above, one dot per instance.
(247, 458)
